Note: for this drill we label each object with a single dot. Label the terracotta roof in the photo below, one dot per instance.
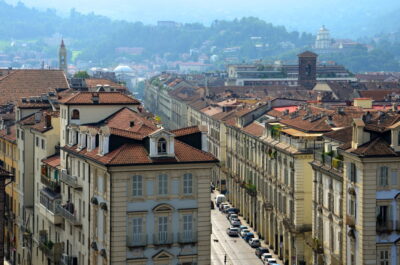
(342, 135)
(307, 54)
(136, 154)
(254, 129)
(11, 137)
(25, 83)
(105, 98)
(376, 147)
(53, 161)
(40, 126)
(93, 82)
(377, 95)
(186, 131)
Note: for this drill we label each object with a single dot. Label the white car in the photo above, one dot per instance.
(254, 242)
(266, 256)
(243, 232)
(232, 231)
(271, 261)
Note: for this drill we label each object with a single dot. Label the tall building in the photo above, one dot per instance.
(323, 40)
(307, 69)
(62, 58)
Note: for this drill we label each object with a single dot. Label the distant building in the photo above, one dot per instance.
(62, 58)
(323, 40)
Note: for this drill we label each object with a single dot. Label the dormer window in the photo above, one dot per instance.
(75, 115)
(162, 146)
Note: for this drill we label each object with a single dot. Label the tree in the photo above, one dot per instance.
(82, 74)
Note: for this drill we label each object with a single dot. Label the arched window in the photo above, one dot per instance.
(162, 146)
(75, 114)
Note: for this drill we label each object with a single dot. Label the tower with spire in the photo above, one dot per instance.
(62, 57)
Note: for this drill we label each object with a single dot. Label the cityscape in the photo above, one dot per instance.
(237, 142)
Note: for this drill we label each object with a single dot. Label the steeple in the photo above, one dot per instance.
(62, 57)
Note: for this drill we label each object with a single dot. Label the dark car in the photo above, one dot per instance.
(233, 210)
(260, 251)
(212, 205)
(248, 236)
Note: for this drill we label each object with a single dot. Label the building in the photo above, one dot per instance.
(164, 211)
(62, 58)
(323, 40)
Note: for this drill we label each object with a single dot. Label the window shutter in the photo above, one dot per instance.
(394, 177)
(390, 214)
(130, 230)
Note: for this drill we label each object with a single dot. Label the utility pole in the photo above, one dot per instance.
(3, 176)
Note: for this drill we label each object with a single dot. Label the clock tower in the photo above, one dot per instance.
(62, 58)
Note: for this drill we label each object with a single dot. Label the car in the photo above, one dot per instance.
(232, 216)
(221, 205)
(254, 243)
(260, 251)
(243, 227)
(219, 199)
(271, 261)
(225, 207)
(212, 205)
(266, 256)
(244, 232)
(236, 223)
(233, 210)
(232, 231)
(248, 236)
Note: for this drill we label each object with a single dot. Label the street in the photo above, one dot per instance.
(238, 252)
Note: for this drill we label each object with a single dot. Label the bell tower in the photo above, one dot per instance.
(307, 69)
(62, 58)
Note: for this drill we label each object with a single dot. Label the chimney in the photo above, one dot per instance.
(38, 117)
(358, 133)
(95, 98)
(394, 107)
(47, 120)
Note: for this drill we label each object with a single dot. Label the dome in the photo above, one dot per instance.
(123, 69)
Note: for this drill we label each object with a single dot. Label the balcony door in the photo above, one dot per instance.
(163, 228)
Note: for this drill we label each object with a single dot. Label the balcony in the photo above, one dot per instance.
(350, 221)
(70, 180)
(51, 250)
(67, 215)
(328, 160)
(139, 240)
(50, 183)
(162, 238)
(187, 237)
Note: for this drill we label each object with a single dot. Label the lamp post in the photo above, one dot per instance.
(4, 175)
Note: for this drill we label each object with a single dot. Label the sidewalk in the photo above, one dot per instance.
(243, 221)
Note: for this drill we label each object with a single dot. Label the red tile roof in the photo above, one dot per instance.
(129, 120)
(105, 98)
(376, 147)
(25, 83)
(53, 161)
(254, 129)
(186, 131)
(93, 82)
(11, 137)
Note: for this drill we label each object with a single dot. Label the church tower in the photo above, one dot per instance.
(62, 58)
(307, 69)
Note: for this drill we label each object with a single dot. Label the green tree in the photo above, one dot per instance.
(82, 74)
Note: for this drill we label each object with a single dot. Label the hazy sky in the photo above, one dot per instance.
(306, 15)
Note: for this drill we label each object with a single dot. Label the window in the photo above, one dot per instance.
(383, 179)
(137, 186)
(383, 215)
(353, 172)
(383, 257)
(163, 184)
(75, 114)
(37, 141)
(43, 144)
(162, 146)
(352, 206)
(137, 228)
(163, 228)
(187, 226)
(188, 183)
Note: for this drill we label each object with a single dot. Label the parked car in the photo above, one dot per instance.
(225, 208)
(243, 227)
(255, 242)
(233, 210)
(244, 232)
(266, 256)
(236, 223)
(219, 199)
(212, 205)
(260, 251)
(271, 261)
(232, 216)
(248, 236)
(221, 205)
(232, 231)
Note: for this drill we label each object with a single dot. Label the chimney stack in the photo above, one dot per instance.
(47, 119)
(95, 98)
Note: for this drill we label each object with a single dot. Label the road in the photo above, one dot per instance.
(238, 252)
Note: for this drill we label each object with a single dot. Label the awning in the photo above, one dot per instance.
(297, 133)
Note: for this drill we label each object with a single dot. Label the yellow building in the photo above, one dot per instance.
(8, 160)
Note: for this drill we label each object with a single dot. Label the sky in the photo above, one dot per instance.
(341, 16)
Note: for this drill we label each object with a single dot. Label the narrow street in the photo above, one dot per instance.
(238, 252)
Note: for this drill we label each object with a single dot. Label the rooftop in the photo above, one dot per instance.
(99, 98)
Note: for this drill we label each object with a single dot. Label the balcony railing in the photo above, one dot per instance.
(139, 240)
(70, 180)
(51, 250)
(187, 237)
(70, 217)
(162, 238)
(328, 160)
(51, 184)
(385, 226)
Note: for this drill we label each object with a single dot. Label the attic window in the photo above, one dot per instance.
(162, 146)
(132, 123)
(75, 114)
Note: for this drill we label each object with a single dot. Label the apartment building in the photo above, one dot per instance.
(126, 178)
(9, 162)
